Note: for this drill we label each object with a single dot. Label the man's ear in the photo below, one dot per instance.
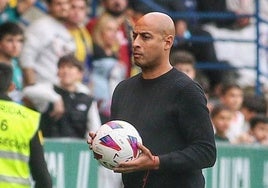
(11, 87)
(169, 41)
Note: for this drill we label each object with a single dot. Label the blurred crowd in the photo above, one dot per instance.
(67, 63)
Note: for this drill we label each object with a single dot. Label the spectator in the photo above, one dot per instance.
(221, 117)
(47, 39)
(118, 10)
(232, 97)
(258, 132)
(83, 40)
(183, 61)
(76, 25)
(11, 10)
(107, 69)
(80, 111)
(19, 164)
(11, 41)
(252, 105)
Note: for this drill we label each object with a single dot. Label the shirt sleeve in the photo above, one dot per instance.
(38, 164)
(195, 125)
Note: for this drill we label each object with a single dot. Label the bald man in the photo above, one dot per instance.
(169, 111)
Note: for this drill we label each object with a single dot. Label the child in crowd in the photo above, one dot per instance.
(183, 61)
(232, 97)
(221, 117)
(258, 132)
(11, 42)
(79, 110)
(251, 106)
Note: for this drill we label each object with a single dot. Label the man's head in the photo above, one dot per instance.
(115, 7)
(78, 12)
(153, 37)
(5, 77)
(11, 40)
(59, 9)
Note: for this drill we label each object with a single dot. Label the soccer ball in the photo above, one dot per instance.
(116, 141)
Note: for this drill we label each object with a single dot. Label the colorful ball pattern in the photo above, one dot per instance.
(116, 141)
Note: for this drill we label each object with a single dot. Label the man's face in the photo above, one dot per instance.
(59, 9)
(147, 45)
(78, 11)
(11, 45)
(115, 7)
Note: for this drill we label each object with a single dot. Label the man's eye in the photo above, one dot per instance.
(145, 37)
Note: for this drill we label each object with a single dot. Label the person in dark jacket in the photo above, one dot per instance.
(80, 113)
(169, 111)
(21, 153)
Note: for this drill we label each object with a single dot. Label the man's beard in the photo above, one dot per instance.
(116, 13)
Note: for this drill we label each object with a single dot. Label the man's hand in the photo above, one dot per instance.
(145, 161)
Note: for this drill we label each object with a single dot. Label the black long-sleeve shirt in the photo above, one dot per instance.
(171, 116)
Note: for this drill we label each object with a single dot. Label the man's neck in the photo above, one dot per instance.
(155, 73)
(71, 25)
